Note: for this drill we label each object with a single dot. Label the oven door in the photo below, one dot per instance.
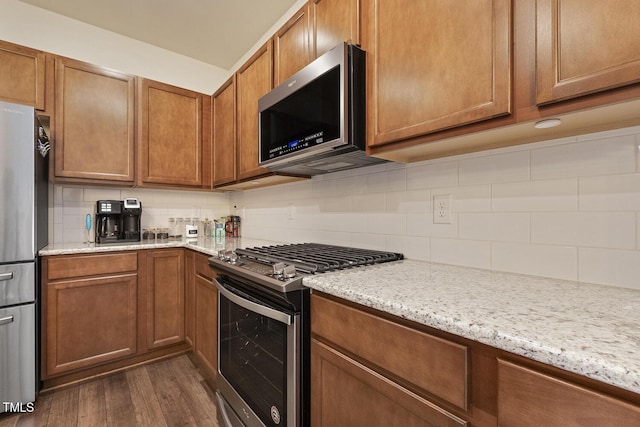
(258, 363)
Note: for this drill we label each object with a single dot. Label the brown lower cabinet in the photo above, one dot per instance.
(205, 318)
(91, 310)
(107, 311)
(369, 368)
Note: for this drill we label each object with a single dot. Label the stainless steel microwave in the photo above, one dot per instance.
(314, 122)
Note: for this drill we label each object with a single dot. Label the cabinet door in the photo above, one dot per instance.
(434, 65)
(22, 75)
(585, 48)
(528, 398)
(292, 47)
(224, 134)
(95, 138)
(346, 393)
(206, 309)
(165, 297)
(334, 22)
(90, 321)
(253, 81)
(170, 135)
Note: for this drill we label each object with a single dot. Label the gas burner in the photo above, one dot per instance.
(282, 267)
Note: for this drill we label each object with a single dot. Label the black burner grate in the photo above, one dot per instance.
(318, 258)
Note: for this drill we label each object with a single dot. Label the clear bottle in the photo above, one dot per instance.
(179, 228)
(172, 228)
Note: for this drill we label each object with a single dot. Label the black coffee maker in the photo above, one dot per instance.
(118, 221)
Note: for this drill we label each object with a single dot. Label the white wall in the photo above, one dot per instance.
(38, 28)
(567, 209)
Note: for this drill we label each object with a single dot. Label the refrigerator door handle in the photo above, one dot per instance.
(6, 276)
(6, 320)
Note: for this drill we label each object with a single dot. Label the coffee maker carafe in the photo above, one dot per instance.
(118, 220)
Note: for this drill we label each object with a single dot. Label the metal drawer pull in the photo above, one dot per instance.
(252, 306)
(6, 276)
(5, 320)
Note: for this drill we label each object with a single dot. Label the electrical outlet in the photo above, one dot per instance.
(442, 209)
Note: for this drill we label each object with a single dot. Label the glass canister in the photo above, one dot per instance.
(219, 232)
(191, 228)
(235, 225)
(172, 227)
(179, 228)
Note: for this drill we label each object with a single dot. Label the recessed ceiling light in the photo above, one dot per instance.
(547, 123)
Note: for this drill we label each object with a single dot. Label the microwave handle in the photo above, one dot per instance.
(257, 308)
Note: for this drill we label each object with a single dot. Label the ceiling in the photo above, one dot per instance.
(217, 32)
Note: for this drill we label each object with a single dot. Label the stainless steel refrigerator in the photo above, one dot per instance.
(23, 232)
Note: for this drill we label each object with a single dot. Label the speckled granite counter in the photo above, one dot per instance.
(205, 245)
(588, 329)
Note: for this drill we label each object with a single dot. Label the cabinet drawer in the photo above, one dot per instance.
(435, 365)
(528, 398)
(60, 267)
(347, 393)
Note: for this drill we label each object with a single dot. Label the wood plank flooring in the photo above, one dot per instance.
(165, 393)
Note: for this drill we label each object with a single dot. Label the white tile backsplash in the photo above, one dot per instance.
(567, 208)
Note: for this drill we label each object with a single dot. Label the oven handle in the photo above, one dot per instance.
(257, 308)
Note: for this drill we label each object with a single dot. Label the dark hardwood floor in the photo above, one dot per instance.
(165, 393)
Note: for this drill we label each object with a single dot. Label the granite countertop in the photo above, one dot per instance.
(588, 329)
(591, 330)
(205, 245)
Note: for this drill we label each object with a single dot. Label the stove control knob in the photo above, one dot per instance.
(233, 258)
(289, 272)
(225, 255)
(278, 269)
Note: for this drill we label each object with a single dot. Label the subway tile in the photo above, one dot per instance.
(387, 181)
(369, 202)
(72, 194)
(335, 204)
(610, 267)
(368, 241)
(430, 175)
(536, 196)
(94, 194)
(468, 198)
(422, 225)
(609, 193)
(503, 227)
(558, 262)
(412, 201)
(508, 167)
(386, 223)
(413, 247)
(470, 253)
(592, 229)
(588, 158)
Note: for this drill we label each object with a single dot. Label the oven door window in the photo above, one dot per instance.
(253, 359)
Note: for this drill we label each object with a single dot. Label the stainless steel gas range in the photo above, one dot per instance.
(264, 329)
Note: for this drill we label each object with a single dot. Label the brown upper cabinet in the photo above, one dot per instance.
(95, 124)
(22, 75)
(434, 65)
(333, 22)
(224, 133)
(169, 135)
(253, 80)
(292, 46)
(581, 50)
(438, 89)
